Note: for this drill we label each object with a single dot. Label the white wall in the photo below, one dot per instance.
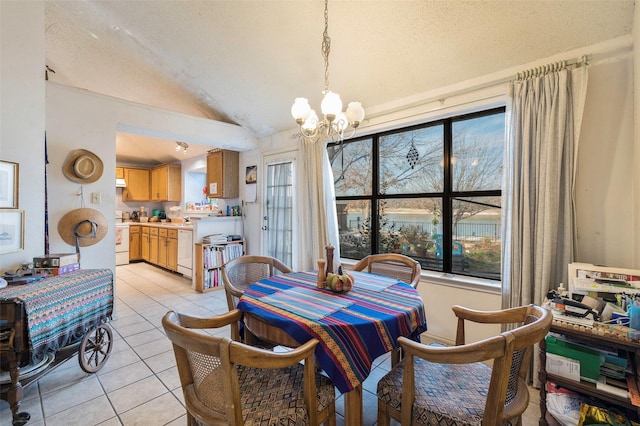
(604, 181)
(80, 119)
(22, 117)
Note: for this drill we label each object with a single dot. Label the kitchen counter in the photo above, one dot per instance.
(185, 226)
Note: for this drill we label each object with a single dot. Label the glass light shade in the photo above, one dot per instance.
(300, 109)
(340, 123)
(311, 122)
(355, 112)
(331, 104)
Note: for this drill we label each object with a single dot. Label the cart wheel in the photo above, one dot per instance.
(20, 419)
(95, 348)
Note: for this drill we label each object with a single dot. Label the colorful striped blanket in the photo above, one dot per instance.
(61, 309)
(353, 328)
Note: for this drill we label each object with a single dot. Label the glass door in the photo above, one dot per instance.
(279, 210)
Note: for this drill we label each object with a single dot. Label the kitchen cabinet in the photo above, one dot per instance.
(119, 172)
(168, 248)
(153, 245)
(166, 183)
(144, 243)
(137, 185)
(134, 243)
(222, 174)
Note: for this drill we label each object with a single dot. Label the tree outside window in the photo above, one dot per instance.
(431, 192)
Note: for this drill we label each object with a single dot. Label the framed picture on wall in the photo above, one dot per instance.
(11, 231)
(8, 185)
(251, 175)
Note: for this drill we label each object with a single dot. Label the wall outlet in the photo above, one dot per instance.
(96, 198)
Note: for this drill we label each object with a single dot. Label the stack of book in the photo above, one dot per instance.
(214, 239)
(56, 264)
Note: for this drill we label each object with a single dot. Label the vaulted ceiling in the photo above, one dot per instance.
(244, 61)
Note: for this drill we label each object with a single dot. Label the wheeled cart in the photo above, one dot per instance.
(45, 323)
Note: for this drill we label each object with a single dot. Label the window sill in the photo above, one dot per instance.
(462, 282)
(452, 280)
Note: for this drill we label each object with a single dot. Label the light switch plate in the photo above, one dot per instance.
(96, 198)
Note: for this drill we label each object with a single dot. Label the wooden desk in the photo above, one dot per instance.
(353, 328)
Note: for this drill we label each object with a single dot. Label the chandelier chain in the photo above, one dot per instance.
(326, 45)
(335, 121)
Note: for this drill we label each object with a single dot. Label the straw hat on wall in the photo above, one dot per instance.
(83, 166)
(83, 227)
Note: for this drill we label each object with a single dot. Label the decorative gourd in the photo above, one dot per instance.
(340, 282)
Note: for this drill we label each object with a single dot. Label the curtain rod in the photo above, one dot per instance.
(577, 62)
(552, 67)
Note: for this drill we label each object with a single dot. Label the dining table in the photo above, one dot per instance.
(353, 328)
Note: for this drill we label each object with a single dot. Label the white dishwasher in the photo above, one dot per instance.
(185, 252)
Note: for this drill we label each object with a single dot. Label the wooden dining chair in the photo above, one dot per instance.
(226, 382)
(392, 265)
(239, 273)
(430, 385)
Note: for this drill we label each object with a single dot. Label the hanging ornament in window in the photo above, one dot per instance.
(413, 155)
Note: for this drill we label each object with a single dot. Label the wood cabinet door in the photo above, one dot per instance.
(174, 183)
(172, 254)
(159, 182)
(214, 175)
(222, 174)
(153, 249)
(162, 251)
(166, 183)
(119, 172)
(138, 182)
(134, 243)
(144, 244)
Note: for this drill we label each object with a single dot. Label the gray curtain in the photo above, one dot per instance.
(318, 217)
(544, 115)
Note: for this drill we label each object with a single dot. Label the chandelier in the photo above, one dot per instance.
(182, 146)
(335, 122)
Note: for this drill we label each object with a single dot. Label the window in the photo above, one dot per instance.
(431, 192)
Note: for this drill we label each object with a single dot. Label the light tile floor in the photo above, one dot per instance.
(139, 384)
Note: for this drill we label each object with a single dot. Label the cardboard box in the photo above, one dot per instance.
(563, 366)
(590, 360)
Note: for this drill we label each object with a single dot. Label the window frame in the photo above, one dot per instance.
(448, 195)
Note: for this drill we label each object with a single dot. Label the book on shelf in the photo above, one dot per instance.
(632, 386)
(212, 279)
(55, 260)
(214, 256)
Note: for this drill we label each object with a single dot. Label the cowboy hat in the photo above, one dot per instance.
(83, 166)
(83, 227)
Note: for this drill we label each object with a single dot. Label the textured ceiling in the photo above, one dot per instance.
(244, 62)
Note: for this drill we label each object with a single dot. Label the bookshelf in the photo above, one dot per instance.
(209, 260)
(606, 398)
